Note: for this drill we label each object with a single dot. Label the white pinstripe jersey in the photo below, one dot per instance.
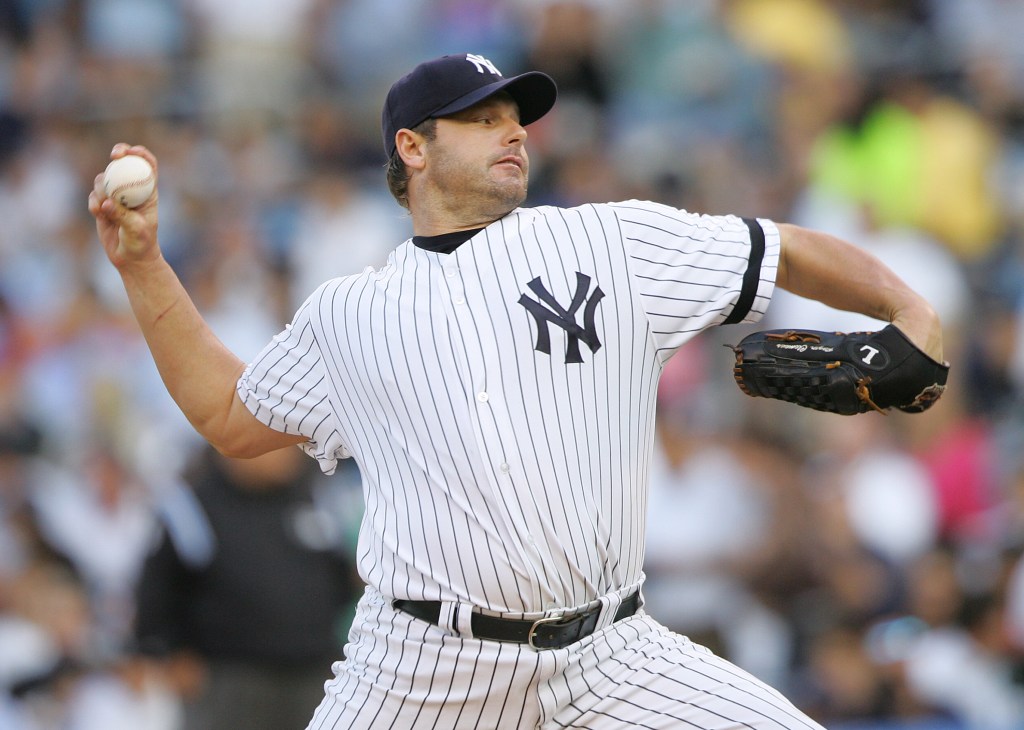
(495, 472)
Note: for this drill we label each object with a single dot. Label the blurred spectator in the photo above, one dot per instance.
(685, 92)
(976, 36)
(130, 47)
(964, 668)
(252, 56)
(346, 42)
(243, 604)
(807, 34)
(889, 500)
(847, 686)
(810, 51)
(39, 198)
(916, 157)
(97, 514)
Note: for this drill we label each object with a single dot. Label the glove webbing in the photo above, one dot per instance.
(862, 391)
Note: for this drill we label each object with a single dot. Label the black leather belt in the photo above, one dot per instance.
(555, 632)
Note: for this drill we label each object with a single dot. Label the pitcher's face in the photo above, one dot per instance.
(478, 158)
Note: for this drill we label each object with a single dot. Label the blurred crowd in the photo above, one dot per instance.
(870, 567)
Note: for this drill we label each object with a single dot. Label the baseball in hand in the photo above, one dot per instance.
(129, 180)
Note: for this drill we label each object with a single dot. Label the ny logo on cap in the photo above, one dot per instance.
(482, 64)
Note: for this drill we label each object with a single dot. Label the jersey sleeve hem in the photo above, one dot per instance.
(759, 278)
(326, 457)
(752, 276)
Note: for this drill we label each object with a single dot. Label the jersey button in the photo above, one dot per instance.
(482, 397)
(459, 300)
(505, 468)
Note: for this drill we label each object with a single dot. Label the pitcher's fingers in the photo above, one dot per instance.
(98, 187)
(94, 203)
(103, 207)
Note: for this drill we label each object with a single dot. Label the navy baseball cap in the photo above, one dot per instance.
(449, 84)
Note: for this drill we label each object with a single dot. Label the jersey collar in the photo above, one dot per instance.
(446, 242)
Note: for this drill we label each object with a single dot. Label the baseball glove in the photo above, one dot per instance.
(839, 372)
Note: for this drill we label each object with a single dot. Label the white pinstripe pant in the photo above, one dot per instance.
(404, 673)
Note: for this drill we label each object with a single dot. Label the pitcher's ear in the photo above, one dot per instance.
(410, 147)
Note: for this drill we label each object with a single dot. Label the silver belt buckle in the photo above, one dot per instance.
(537, 623)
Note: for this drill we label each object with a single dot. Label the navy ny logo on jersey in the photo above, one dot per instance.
(549, 311)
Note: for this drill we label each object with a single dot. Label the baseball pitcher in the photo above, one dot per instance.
(495, 382)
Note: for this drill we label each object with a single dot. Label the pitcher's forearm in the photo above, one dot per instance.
(198, 370)
(829, 270)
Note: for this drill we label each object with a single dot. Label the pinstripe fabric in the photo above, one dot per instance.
(403, 673)
(504, 444)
